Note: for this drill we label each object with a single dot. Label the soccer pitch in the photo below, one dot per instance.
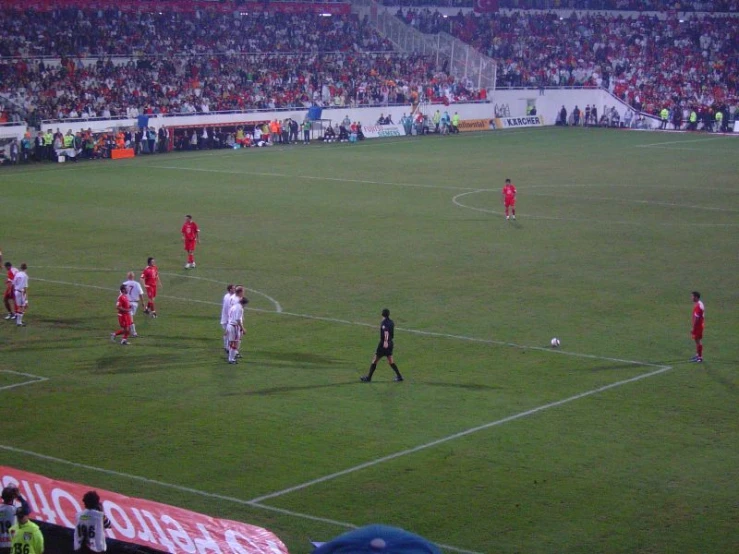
(495, 443)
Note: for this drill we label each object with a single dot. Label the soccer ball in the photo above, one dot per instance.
(554, 342)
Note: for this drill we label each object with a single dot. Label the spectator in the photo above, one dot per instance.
(89, 530)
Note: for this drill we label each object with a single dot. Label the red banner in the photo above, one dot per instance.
(182, 6)
(143, 522)
(486, 6)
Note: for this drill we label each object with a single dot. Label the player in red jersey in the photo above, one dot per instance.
(698, 321)
(123, 305)
(151, 280)
(509, 198)
(190, 236)
(9, 295)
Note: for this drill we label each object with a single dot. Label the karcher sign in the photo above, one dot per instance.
(475, 125)
(511, 122)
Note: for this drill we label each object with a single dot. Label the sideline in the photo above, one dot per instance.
(709, 139)
(202, 493)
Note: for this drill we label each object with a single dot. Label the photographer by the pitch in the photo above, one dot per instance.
(89, 532)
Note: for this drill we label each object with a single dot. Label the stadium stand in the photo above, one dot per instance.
(648, 62)
(126, 64)
(716, 6)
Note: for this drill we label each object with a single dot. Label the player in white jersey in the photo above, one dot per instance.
(238, 295)
(7, 515)
(224, 313)
(235, 328)
(89, 531)
(135, 293)
(20, 285)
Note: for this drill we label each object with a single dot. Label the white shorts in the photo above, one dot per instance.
(134, 307)
(21, 300)
(233, 333)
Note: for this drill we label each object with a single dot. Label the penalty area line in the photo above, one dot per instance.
(419, 332)
(456, 436)
(34, 379)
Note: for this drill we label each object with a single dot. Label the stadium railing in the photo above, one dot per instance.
(453, 56)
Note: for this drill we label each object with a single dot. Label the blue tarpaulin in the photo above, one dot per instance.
(378, 539)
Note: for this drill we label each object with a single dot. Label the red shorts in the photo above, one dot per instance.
(151, 291)
(190, 245)
(510, 202)
(697, 333)
(124, 320)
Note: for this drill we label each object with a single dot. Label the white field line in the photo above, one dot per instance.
(278, 307)
(309, 177)
(666, 147)
(371, 325)
(680, 142)
(201, 493)
(34, 379)
(258, 501)
(159, 483)
(456, 202)
(112, 289)
(461, 434)
(631, 201)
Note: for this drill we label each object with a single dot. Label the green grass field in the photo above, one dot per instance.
(614, 231)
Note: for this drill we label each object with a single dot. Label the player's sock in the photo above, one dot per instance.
(19, 318)
(398, 376)
(225, 342)
(119, 332)
(133, 329)
(699, 350)
(231, 354)
(190, 258)
(371, 371)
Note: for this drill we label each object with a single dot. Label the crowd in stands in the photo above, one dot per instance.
(124, 65)
(622, 5)
(192, 63)
(648, 62)
(625, 5)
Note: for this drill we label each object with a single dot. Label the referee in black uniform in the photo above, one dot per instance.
(384, 348)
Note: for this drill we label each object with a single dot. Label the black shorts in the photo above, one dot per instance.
(383, 352)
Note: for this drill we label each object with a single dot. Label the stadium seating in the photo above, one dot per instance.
(720, 6)
(648, 62)
(203, 62)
